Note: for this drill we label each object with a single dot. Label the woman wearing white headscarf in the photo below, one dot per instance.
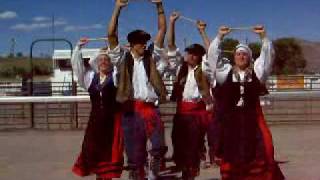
(102, 147)
(243, 129)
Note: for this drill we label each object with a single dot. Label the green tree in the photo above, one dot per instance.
(256, 48)
(289, 58)
(228, 45)
(19, 54)
(10, 55)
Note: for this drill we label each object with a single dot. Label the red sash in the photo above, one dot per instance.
(147, 111)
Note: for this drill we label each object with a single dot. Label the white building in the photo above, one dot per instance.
(62, 64)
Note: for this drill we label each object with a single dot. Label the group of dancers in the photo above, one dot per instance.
(215, 99)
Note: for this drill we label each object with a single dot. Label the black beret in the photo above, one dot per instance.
(196, 49)
(138, 36)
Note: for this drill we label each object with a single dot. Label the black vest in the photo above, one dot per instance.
(125, 87)
(146, 63)
(103, 96)
(201, 80)
(228, 94)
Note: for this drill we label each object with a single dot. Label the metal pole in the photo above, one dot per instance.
(31, 85)
(13, 46)
(53, 32)
(185, 42)
(32, 71)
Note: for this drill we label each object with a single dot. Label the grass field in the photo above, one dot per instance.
(15, 68)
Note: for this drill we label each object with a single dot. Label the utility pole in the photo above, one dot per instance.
(185, 42)
(13, 46)
(53, 32)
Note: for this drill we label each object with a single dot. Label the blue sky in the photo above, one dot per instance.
(26, 20)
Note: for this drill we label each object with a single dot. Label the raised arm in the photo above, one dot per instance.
(219, 68)
(84, 74)
(263, 64)
(207, 67)
(113, 24)
(171, 34)
(201, 25)
(162, 24)
(115, 52)
(174, 57)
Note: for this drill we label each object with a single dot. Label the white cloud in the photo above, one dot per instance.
(60, 22)
(44, 19)
(42, 22)
(82, 28)
(8, 15)
(40, 19)
(39, 23)
(30, 27)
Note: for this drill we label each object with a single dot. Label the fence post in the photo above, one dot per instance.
(74, 87)
(31, 105)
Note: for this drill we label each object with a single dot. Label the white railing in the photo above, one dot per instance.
(72, 112)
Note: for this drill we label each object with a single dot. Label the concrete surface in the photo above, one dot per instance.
(49, 155)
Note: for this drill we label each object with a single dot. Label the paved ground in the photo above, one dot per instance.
(49, 155)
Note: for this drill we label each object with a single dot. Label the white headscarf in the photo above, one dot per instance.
(244, 48)
(93, 62)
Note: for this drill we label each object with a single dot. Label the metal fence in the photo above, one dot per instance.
(72, 112)
(52, 105)
(294, 83)
(18, 88)
(39, 89)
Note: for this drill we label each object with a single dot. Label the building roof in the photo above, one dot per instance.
(66, 54)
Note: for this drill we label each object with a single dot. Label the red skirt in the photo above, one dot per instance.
(263, 167)
(98, 155)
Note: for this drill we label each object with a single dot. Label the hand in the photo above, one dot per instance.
(209, 107)
(156, 1)
(174, 16)
(122, 3)
(201, 25)
(223, 30)
(83, 41)
(260, 30)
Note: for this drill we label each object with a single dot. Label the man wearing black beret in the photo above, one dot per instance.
(191, 91)
(140, 90)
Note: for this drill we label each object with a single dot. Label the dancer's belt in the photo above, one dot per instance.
(194, 100)
(149, 100)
